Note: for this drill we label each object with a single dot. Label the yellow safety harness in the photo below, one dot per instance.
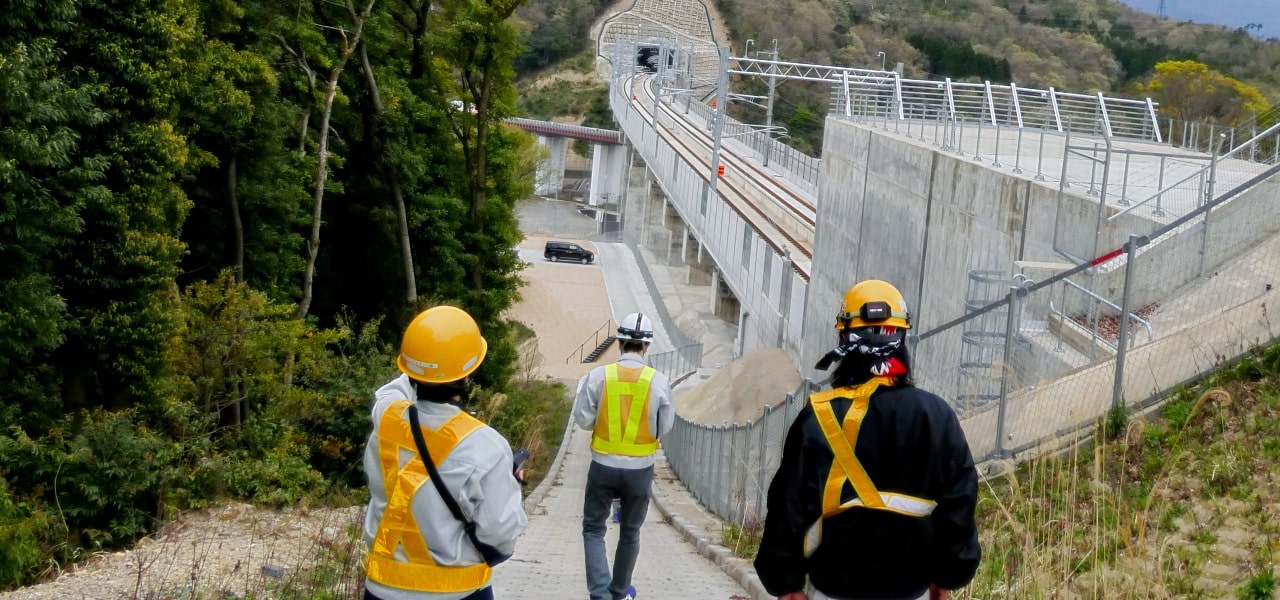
(398, 528)
(843, 438)
(626, 393)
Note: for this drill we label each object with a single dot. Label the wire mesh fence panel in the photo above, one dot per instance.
(728, 467)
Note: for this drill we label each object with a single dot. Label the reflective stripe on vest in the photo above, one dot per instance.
(398, 528)
(626, 392)
(842, 439)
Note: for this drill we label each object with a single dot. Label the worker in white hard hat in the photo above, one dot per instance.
(627, 407)
(445, 500)
(874, 497)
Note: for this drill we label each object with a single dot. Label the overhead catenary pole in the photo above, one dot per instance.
(768, 111)
(717, 126)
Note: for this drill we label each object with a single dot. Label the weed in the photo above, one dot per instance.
(1260, 587)
(743, 539)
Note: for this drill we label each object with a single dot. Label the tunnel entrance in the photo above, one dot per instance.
(647, 58)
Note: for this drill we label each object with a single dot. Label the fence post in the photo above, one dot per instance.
(1007, 368)
(1093, 171)
(995, 156)
(1122, 347)
(1158, 211)
(1017, 153)
(977, 145)
(764, 459)
(713, 495)
(1124, 185)
(1040, 158)
(1213, 174)
(733, 473)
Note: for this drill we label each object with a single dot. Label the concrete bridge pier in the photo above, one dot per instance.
(608, 166)
(550, 175)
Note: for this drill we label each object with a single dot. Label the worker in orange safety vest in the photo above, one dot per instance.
(445, 498)
(627, 407)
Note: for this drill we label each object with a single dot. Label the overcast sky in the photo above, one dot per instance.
(1234, 13)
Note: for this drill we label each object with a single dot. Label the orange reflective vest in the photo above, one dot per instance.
(398, 528)
(845, 467)
(622, 421)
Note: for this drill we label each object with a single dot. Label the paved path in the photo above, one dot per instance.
(549, 563)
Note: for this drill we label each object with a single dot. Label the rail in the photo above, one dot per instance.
(1207, 170)
(1094, 318)
(596, 338)
(867, 94)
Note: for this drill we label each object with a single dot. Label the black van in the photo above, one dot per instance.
(567, 251)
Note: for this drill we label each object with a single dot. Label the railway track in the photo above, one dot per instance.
(785, 221)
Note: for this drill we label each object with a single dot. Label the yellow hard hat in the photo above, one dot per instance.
(872, 303)
(442, 344)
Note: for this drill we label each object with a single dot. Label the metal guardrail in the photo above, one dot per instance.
(600, 334)
(891, 97)
(677, 362)
(1093, 328)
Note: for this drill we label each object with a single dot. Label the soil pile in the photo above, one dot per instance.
(738, 392)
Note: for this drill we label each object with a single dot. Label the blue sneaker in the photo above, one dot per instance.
(631, 593)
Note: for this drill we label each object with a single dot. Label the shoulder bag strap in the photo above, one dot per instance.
(491, 555)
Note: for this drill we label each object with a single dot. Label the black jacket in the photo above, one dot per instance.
(910, 442)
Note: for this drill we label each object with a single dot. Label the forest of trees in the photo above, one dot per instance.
(215, 218)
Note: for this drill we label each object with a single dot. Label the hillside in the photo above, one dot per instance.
(1081, 46)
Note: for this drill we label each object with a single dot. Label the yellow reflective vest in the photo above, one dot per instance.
(622, 420)
(398, 528)
(845, 467)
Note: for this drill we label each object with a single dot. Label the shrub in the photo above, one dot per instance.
(25, 532)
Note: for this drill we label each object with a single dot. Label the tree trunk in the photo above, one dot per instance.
(322, 175)
(480, 166)
(302, 136)
(237, 224)
(393, 179)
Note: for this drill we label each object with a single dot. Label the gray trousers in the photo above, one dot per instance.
(603, 485)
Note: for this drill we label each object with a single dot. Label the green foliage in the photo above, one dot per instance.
(24, 534)
(959, 60)
(556, 30)
(743, 541)
(1178, 409)
(92, 477)
(1115, 421)
(156, 160)
(1259, 587)
(43, 179)
(532, 414)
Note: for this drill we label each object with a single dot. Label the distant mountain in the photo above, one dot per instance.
(1232, 13)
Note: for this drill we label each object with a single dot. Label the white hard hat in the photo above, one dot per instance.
(636, 327)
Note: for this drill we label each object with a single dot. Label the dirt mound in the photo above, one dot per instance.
(739, 391)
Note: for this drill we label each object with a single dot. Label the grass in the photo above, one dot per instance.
(1182, 505)
(743, 539)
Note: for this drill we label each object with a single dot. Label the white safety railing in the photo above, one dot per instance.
(886, 96)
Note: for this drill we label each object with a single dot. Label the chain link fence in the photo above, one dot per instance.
(1040, 355)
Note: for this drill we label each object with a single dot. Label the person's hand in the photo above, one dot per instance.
(793, 596)
(937, 593)
(520, 476)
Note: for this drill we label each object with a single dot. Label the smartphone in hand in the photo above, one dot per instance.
(518, 459)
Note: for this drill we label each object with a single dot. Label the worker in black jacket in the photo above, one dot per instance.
(876, 491)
